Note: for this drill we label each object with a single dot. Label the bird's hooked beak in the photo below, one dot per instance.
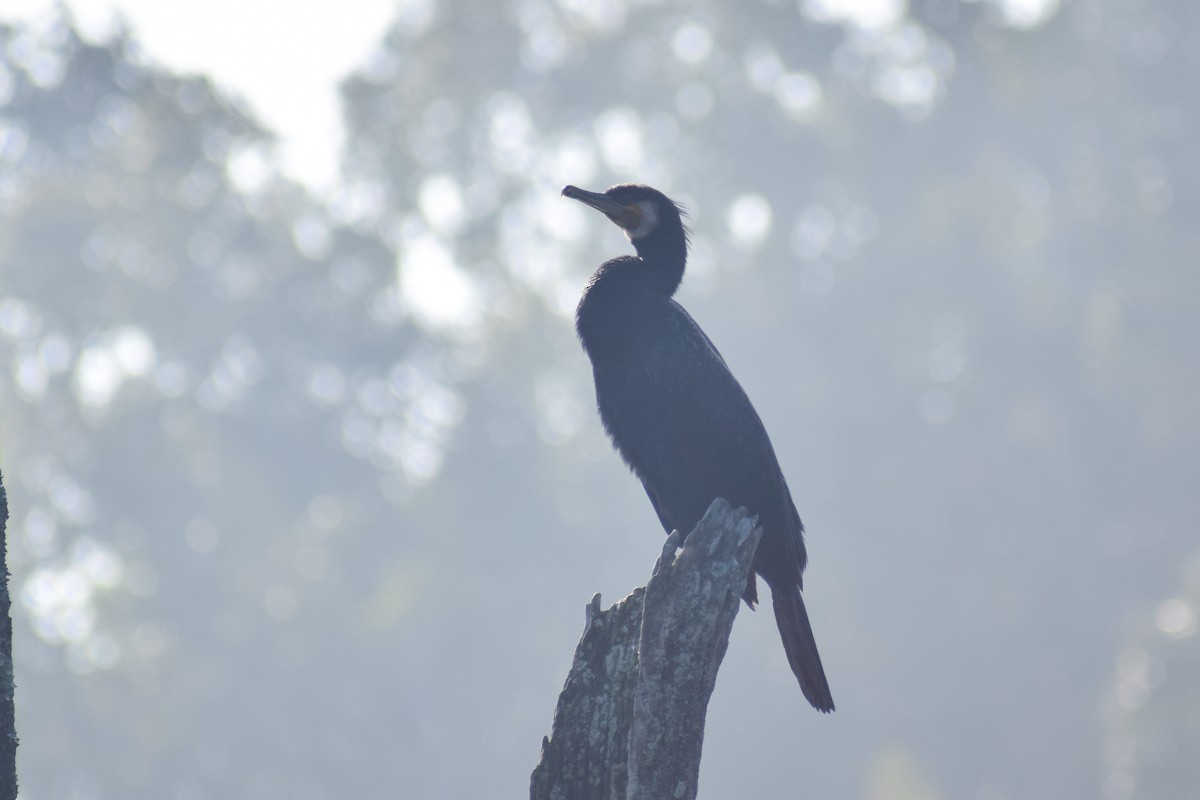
(627, 217)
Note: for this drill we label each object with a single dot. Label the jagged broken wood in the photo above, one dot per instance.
(629, 723)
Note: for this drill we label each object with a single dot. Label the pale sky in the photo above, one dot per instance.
(283, 57)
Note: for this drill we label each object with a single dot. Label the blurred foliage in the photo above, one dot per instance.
(308, 494)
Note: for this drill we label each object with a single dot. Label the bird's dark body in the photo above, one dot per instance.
(681, 420)
(683, 423)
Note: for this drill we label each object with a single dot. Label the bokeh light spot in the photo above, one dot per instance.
(440, 294)
(1176, 618)
(619, 132)
(869, 15)
(441, 204)
(749, 219)
(798, 94)
(692, 43)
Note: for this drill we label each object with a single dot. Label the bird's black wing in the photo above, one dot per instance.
(684, 424)
(658, 508)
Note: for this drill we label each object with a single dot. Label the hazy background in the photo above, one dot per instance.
(307, 489)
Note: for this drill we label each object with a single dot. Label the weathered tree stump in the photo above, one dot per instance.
(629, 724)
(8, 725)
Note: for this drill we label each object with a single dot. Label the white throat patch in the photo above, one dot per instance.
(649, 219)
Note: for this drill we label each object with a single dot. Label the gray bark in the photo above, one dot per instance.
(8, 725)
(629, 723)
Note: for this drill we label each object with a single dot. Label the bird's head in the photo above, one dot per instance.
(643, 213)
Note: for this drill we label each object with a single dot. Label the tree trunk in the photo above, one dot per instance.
(8, 724)
(629, 723)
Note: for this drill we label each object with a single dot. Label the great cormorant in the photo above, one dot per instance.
(679, 418)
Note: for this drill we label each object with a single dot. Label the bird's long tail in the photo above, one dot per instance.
(801, 648)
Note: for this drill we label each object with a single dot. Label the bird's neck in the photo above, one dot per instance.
(665, 258)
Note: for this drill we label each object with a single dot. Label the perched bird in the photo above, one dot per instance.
(679, 418)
